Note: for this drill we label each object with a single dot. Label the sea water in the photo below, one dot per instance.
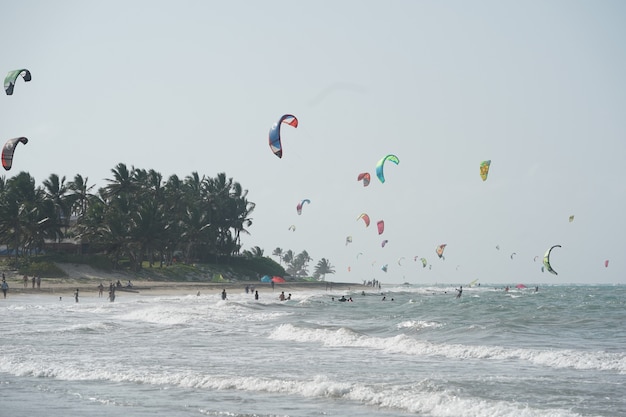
(558, 351)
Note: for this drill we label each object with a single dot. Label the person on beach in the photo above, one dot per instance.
(76, 295)
(25, 279)
(100, 290)
(256, 295)
(4, 286)
(38, 282)
(224, 294)
(34, 281)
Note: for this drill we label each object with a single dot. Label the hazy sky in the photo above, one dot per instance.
(537, 87)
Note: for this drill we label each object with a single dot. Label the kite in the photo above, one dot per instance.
(440, 249)
(384, 267)
(424, 262)
(9, 149)
(348, 240)
(571, 218)
(400, 260)
(484, 169)
(365, 176)
(381, 227)
(300, 204)
(546, 259)
(9, 80)
(384, 242)
(606, 263)
(365, 218)
(381, 163)
(513, 254)
(292, 227)
(274, 137)
(535, 258)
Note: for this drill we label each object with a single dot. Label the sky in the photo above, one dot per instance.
(537, 87)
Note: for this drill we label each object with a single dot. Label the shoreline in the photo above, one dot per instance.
(89, 287)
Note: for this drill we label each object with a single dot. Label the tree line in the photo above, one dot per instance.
(137, 216)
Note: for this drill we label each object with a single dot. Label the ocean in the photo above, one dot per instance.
(559, 352)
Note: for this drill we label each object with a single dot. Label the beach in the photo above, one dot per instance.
(87, 279)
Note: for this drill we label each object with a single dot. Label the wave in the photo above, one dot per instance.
(423, 398)
(557, 358)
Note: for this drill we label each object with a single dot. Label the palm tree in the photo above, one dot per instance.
(288, 257)
(56, 190)
(278, 252)
(81, 195)
(322, 268)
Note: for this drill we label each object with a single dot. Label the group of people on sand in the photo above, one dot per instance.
(35, 280)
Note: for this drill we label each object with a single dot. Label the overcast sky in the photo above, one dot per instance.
(537, 87)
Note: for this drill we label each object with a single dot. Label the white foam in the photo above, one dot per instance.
(554, 358)
(420, 398)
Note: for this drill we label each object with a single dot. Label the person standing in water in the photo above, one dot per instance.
(76, 295)
(224, 294)
(256, 294)
(459, 292)
(4, 286)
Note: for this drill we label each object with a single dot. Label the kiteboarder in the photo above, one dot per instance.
(256, 295)
(459, 292)
(224, 294)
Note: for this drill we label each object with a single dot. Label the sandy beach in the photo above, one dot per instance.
(87, 280)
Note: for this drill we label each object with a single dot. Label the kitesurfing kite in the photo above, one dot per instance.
(484, 169)
(300, 204)
(513, 254)
(381, 227)
(292, 227)
(383, 243)
(571, 218)
(365, 177)
(9, 149)
(384, 267)
(275, 143)
(606, 263)
(348, 240)
(9, 80)
(424, 262)
(440, 249)
(400, 260)
(379, 166)
(365, 218)
(546, 259)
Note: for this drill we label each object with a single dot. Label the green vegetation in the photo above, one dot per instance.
(177, 229)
